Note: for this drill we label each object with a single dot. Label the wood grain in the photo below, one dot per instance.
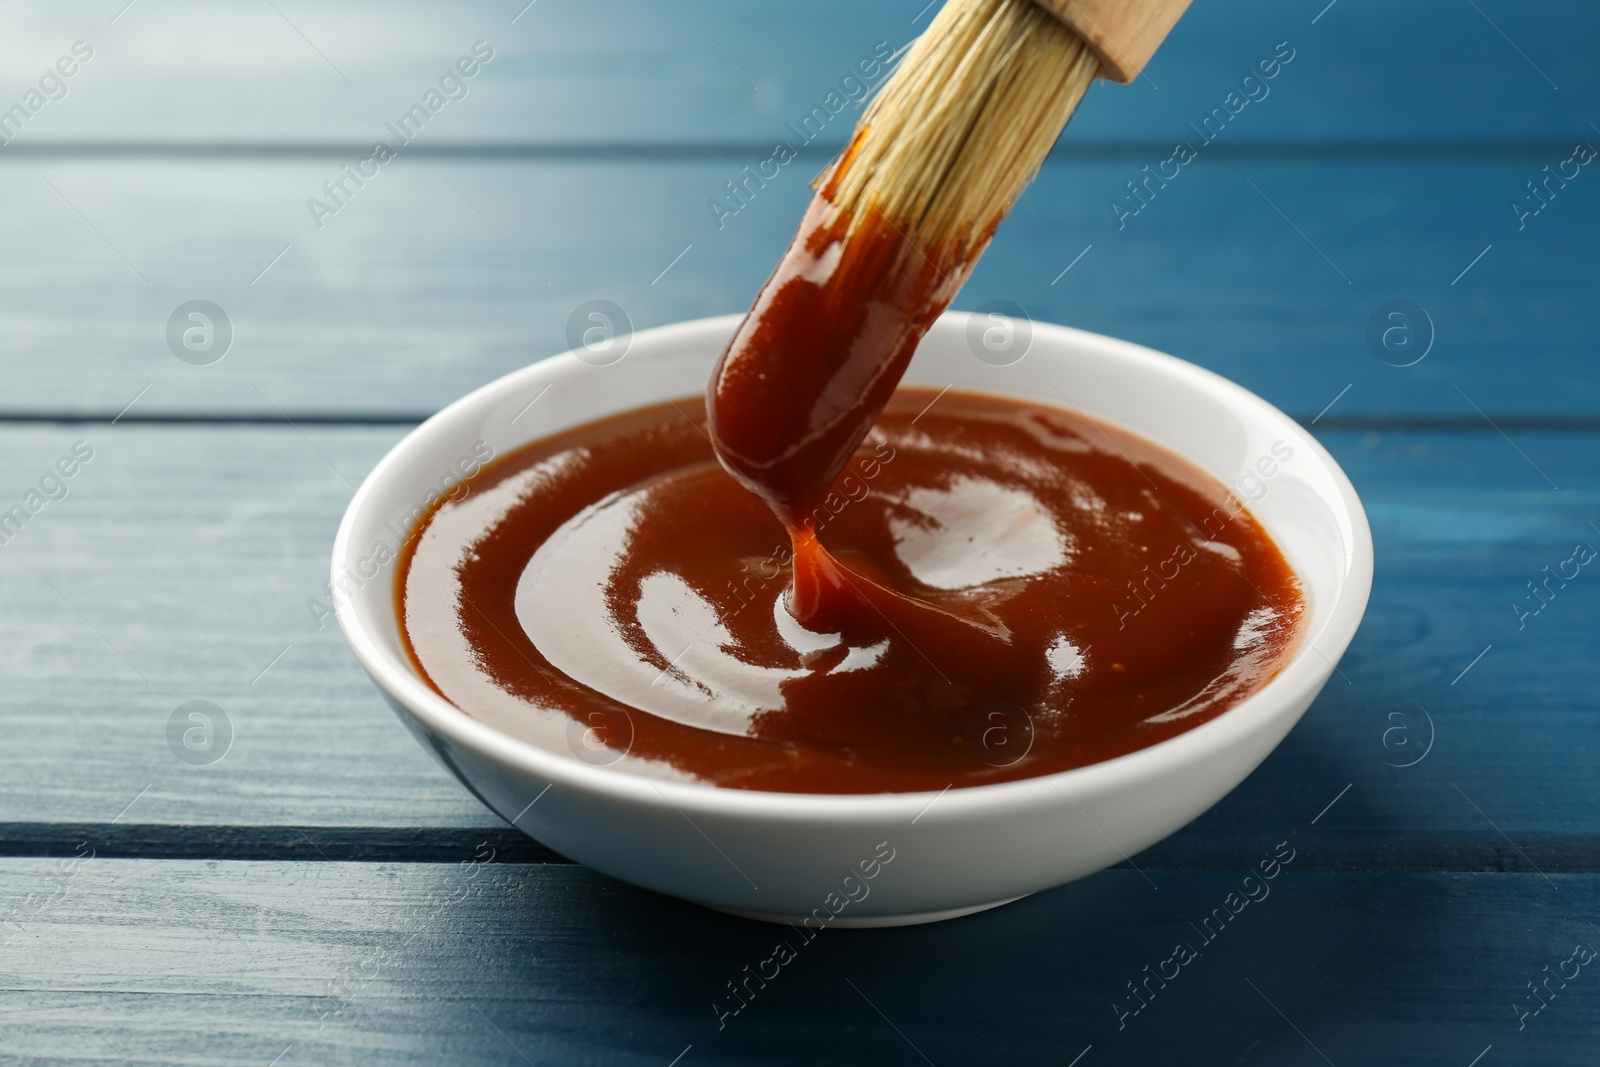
(708, 72)
(235, 963)
(1123, 35)
(441, 276)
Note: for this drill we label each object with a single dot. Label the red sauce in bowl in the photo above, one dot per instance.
(1010, 589)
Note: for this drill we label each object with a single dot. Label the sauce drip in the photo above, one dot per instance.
(807, 373)
(1076, 593)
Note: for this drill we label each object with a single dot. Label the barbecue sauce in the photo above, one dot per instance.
(1016, 590)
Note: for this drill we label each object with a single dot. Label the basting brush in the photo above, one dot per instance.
(897, 223)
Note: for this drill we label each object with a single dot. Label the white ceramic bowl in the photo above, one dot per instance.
(795, 856)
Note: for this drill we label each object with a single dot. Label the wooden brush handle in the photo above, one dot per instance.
(1123, 33)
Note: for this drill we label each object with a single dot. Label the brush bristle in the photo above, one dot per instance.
(961, 127)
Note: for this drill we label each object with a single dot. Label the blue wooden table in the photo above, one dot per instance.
(297, 883)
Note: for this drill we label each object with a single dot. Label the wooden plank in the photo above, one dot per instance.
(180, 567)
(715, 71)
(607, 72)
(1461, 525)
(1203, 848)
(441, 276)
(189, 555)
(113, 961)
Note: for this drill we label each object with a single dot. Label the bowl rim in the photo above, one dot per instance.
(1294, 686)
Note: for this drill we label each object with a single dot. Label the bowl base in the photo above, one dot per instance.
(869, 921)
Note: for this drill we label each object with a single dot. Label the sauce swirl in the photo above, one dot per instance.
(1016, 590)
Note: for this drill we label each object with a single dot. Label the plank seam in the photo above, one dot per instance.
(1453, 852)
